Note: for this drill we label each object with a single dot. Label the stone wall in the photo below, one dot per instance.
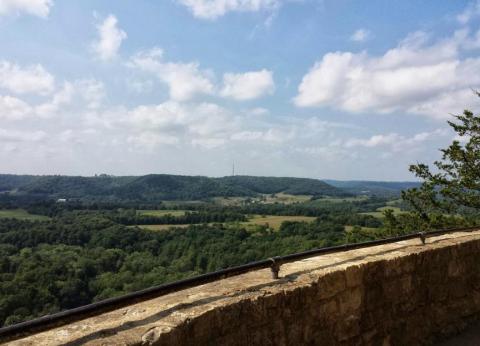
(409, 300)
(397, 294)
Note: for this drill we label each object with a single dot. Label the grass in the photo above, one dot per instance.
(341, 199)
(273, 221)
(161, 212)
(379, 212)
(284, 198)
(159, 227)
(21, 214)
(281, 198)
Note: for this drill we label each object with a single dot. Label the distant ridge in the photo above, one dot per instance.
(378, 188)
(158, 187)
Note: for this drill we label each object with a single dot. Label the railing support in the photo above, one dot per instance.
(275, 267)
(423, 237)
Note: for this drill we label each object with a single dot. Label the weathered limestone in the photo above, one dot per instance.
(404, 293)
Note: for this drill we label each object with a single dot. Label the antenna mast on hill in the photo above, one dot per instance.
(233, 168)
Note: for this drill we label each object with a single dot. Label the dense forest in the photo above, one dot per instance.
(81, 257)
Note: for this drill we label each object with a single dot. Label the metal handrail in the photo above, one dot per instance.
(62, 318)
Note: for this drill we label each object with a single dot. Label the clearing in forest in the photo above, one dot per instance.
(21, 214)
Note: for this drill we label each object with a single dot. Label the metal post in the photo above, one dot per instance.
(275, 267)
(423, 237)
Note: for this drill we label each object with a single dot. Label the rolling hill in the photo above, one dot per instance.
(158, 187)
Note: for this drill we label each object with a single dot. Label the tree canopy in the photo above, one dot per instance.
(452, 186)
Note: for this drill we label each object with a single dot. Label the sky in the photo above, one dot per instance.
(328, 89)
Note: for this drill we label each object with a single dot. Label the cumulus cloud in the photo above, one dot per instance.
(21, 136)
(51, 108)
(184, 80)
(92, 91)
(39, 8)
(212, 9)
(248, 86)
(87, 94)
(395, 141)
(471, 11)
(12, 108)
(172, 122)
(360, 35)
(22, 80)
(417, 76)
(109, 40)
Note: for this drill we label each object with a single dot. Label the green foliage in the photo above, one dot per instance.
(155, 188)
(453, 187)
(83, 256)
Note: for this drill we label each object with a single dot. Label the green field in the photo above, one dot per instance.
(340, 199)
(285, 198)
(21, 214)
(161, 212)
(273, 221)
(159, 227)
(281, 198)
(379, 212)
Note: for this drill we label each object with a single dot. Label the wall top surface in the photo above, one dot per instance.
(134, 325)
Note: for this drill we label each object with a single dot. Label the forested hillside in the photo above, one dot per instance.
(376, 188)
(158, 187)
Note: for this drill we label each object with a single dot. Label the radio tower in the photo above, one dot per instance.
(233, 168)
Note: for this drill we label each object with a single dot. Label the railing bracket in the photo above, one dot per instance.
(275, 267)
(423, 237)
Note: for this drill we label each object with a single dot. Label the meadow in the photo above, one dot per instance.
(21, 214)
(272, 221)
(379, 212)
(159, 213)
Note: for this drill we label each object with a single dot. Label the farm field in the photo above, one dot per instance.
(285, 198)
(273, 221)
(161, 212)
(379, 212)
(159, 227)
(21, 214)
(341, 199)
(281, 198)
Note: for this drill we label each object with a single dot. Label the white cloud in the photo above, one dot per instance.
(21, 136)
(12, 108)
(92, 91)
(39, 8)
(248, 86)
(247, 136)
(88, 94)
(396, 142)
(361, 35)
(61, 98)
(416, 77)
(22, 80)
(259, 111)
(172, 123)
(110, 39)
(184, 80)
(151, 140)
(471, 11)
(212, 9)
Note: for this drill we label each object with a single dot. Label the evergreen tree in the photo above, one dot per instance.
(453, 186)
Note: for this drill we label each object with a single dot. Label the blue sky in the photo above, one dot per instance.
(311, 88)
